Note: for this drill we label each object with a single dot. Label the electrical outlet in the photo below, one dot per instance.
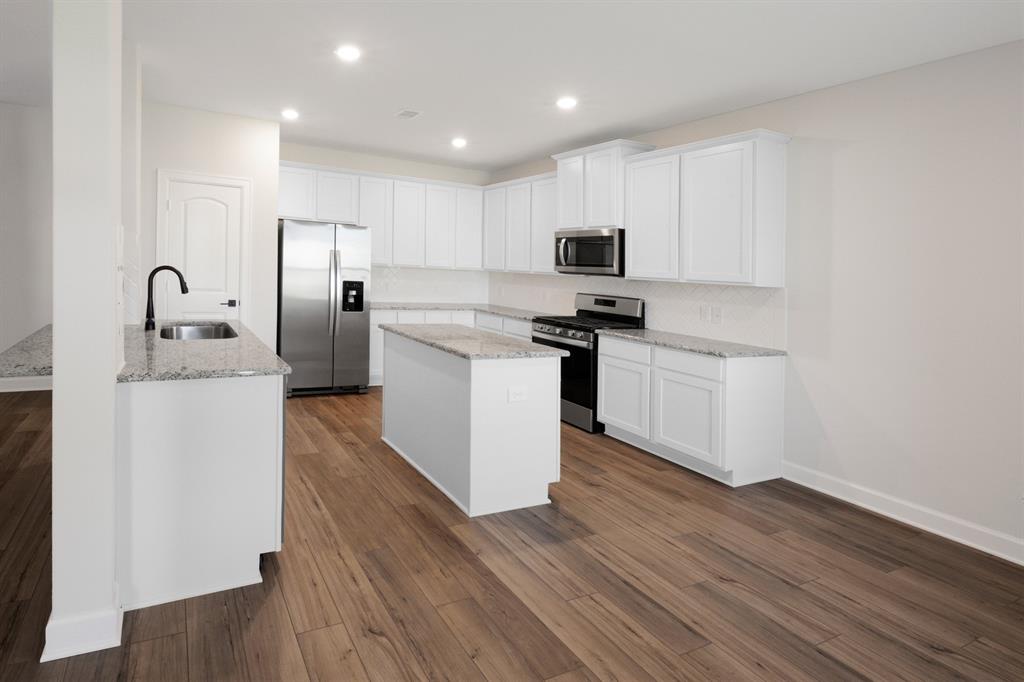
(716, 314)
(705, 312)
(517, 394)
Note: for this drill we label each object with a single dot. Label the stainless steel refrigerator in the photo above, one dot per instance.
(324, 305)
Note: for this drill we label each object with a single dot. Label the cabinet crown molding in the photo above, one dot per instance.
(629, 146)
(755, 134)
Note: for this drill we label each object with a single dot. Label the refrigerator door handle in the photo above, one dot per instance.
(337, 283)
(332, 289)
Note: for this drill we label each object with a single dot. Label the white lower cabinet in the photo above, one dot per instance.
(687, 414)
(437, 316)
(624, 394)
(491, 323)
(466, 318)
(722, 417)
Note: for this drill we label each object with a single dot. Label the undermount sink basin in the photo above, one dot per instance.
(192, 332)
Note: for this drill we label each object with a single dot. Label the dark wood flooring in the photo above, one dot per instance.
(637, 570)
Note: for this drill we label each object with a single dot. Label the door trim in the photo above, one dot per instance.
(164, 178)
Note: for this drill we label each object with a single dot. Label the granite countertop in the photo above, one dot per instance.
(692, 344)
(30, 357)
(150, 358)
(473, 344)
(504, 311)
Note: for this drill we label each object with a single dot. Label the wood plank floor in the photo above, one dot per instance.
(637, 570)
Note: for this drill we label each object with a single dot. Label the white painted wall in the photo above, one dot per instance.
(374, 163)
(905, 296)
(181, 139)
(86, 612)
(133, 285)
(26, 242)
(419, 284)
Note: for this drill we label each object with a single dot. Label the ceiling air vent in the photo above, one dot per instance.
(407, 113)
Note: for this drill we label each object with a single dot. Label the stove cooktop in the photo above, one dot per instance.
(584, 323)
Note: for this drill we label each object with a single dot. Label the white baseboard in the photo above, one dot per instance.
(15, 384)
(81, 634)
(987, 540)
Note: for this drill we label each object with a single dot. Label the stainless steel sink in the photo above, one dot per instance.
(192, 332)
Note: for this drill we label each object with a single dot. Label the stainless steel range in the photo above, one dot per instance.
(577, 334)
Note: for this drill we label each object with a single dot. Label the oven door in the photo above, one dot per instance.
(589, 252)
(579, 380)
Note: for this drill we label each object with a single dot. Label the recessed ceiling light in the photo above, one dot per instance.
(289, 114)
(348, 53)
(458, 142)
(566, 102)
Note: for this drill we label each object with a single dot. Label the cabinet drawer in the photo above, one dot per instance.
(488, 322)
(466, 318)
(627, 350)
(519, 328)
(437, 317)
(410, 317)
(706, 366)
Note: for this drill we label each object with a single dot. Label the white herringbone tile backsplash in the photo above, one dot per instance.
(751, 315)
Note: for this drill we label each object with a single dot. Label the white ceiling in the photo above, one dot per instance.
(490, 71)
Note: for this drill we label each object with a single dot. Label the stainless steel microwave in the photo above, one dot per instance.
(593, 251)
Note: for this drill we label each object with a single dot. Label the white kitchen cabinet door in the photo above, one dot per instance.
(717, 214)
(466, 318)
(440, 227)
(376, 212)
(543, 216)
(378, 317)
(521, 329)
(410, 211)
(517, 228)
(491, 323)
(296, 193)
(687, 415)
(412, 316)
(624, 394)
(652, 219)
(494, 229)
(570, 192)
(469, 229)
(600, 188)
(337, 197)
(437, 316)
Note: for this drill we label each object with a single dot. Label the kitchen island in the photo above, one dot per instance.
(475, 412)
(200, 454)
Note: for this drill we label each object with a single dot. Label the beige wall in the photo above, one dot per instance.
(372, 163)
(26, 228)
(180, 139)
(905, 325)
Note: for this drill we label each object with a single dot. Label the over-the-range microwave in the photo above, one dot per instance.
(591, 251)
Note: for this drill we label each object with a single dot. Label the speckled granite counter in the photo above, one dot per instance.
(504, 311)
(473, 344)
(150, 358)
(691, 344)
(30, 357)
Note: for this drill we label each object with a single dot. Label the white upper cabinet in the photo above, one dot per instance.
(543, 217)
(440, 226)
(599, 189)
(570, 192)
(376, 211)
(494, 229)
(592, 185)
(718, 214)
(709, 211)
(410, 216)
(337, 197)
(517, 228)
(296, 193)
(469, 229)
(652, 218)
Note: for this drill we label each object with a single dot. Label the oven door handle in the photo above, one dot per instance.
(559, 339)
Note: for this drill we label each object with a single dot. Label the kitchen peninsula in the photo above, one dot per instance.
(475, 412)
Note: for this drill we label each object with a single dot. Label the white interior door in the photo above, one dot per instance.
(203, 235)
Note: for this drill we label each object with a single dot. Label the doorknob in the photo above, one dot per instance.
(231, 303)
